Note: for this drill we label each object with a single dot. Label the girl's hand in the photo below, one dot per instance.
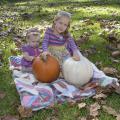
(76, 56)
(44, 54)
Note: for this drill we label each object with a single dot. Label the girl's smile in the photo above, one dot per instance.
(61, 25)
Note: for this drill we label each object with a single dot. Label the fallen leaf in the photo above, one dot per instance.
(100, 96)
(24, 112)
(118, 76)
(83, 118)
(109, 70)
(116, 53)
(9, 117)
(117, 90)
(2, 95)
(104, 90)
(94, 113)
(94, 109)
(81, 105)
(52, 118)
(109, 110)
(118, 117)
(114, 60)
(72, 104)
(103, 102)
(95, 119)
(118, 46)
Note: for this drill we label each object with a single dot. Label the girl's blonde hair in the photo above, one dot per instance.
(58, 16)
(33, 31)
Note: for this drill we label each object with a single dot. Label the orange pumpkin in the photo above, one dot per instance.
(46, 70)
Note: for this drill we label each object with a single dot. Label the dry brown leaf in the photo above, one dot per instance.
(117, 90)
(118, 117)
(118, 76)
(94, 113)
(109, 110)
(95, 119)
(25, 112)
(94, 109)
(103, 102)
(99, 90)
(72, 104)
(115, 60)
(2, 95)
(81, 105)
(52, 118)
(118, 46)
(9, 117)
(109, 70)
(83, 118)
(100, 96)
(104, 90)
(108, 90)
(116, 53)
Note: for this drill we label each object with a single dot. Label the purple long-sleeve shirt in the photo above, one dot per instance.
(31, 52)
(51, 39)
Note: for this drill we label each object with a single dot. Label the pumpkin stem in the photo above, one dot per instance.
(44, 58)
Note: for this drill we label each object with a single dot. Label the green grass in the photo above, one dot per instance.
(42, 15)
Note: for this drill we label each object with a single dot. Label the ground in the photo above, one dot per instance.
(94, 22)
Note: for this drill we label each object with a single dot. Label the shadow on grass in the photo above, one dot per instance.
(12, 1)
(81, 15)
(57, 3)
(38, 11)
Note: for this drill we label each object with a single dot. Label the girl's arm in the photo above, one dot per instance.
(45, 41)
(76, 55)
(25, 51)
(73, 47)
(27, 56)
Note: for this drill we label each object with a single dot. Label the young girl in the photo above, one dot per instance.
(58, 42)
(31, 49)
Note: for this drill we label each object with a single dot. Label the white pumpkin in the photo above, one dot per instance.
(77, 72)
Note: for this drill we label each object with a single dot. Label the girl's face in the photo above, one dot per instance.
(34, 40)
(61, 25)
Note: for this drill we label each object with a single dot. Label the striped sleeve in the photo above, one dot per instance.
(45, 40)
(71, 43)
